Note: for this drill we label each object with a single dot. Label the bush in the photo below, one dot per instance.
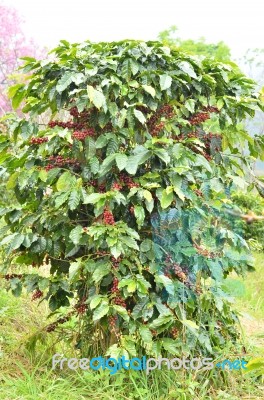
(251, 202)
(124, 199)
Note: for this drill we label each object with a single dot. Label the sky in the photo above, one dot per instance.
(238, 23)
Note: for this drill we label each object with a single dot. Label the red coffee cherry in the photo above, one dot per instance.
(108, 217)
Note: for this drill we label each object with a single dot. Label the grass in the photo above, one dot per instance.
(27, 375)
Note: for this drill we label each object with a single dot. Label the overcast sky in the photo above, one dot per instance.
(238, 23)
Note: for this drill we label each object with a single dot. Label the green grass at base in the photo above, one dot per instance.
(24, 376)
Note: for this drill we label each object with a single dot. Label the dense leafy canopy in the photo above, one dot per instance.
(125, 192)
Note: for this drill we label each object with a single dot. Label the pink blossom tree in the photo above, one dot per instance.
(13, 45)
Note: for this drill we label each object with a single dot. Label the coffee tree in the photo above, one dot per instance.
(125, 194)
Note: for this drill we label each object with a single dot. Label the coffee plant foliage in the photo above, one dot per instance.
(124, 194)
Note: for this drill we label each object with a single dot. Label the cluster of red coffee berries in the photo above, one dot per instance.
(112, 321)
(143, 109)
(11, 276)
(101, 253)
(93, 182)
(101, 187)
(114, 288)
(37, 294)
(115, 262)
(60, 161)
(167, 111)
(132, 210)
(207, 141)
(107, 128)
(174, 332)
(206, 152)
(62, 320)
(108, 217)
(38, 140)
(211, 109)
(157, 129)
(113, 325)
(214, 135)
(178, 138)
(116, 186)
(75, 113)
(198, 118)
(69, 124)
(127, 181)
(192, 135)
(206, 253)
(81, 135)
(173, 267)
(118, 300)
(198, 192)
(81, 307)
(154, 127)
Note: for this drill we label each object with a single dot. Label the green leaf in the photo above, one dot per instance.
(145, 334)
(140, 116)
(177, 151)
(100, 311)
(95, 301)
(179, 192)
(74, 199)
(200, 160)
(142, 284)
(167, 283)
(14, 89)
(129, 241)
(146, 245)
(190, 105)
(101, 271)
(170, 345)
(76, 234)
(93, 198)
(166, 198)
(102, 141)
(190, 324)
(12, 181)
(107, 164)
(96, 97)
(43, 175)
(78, 78)
(135, 160)
(163, 155)
(94, 165)
(65, 182)
(121, 161)
(17, 98)
(121, 311)
(161, 320)
(140, 215)
(150, 90)
(147, 195)
(74, 270)
(64, 82)
(128, 343)
(131, 287)
(61, 199)
(165, 81)
(187, 68)
(256, 364)
(16, 242)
